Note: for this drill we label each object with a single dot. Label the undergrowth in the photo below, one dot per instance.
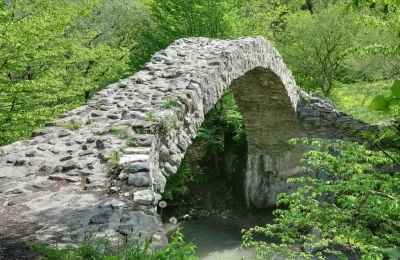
(134, 249)
(355, 98)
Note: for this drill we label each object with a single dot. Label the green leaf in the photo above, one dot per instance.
(379, 103)
(396, 88)
(391, 253)
(394, 102)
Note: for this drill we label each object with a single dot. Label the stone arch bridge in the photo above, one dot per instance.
(62, 182)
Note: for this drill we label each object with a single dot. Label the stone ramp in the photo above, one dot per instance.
(57, 185)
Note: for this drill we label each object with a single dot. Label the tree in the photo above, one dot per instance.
(175, 19)
(387, 16)
(262, 17)
(48, 67)
(315, 45)
(118, 23)
(350, 202)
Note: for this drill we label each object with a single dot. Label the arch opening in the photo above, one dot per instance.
(270, 121)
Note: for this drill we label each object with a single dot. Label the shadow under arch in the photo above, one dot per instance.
(270, 122)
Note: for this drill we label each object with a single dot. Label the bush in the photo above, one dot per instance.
(350, 202)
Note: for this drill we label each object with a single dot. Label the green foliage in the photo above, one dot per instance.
(387, 17)
(350, 201)
(102, 101)
(151, 117)
(188, 174)
(384, 104)
(315, 45)
(171, 102)
(259, 17)
(224, 118)
(118, 23)
(354, 99)
(169, 120)
(71, 125)
(47, 65)
(115, 130)
(134, 249)
(115, 156)
(177, 249)
(174, 19)
(130, 143)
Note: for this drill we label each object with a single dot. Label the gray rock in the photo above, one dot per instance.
(113, 116)
(63, 133)
(114, 189)
(97, 113)
(13, 191)
(95, 185)
(144, 197)
(139, 179)
(5, 171)
(66, 158)
(101, 218)
(125, 217)
(12, 158)
(92, 164)
(70, 165)
(169, 169)
(20, 162)
(42, 132)
(101, 143)
(16, 201)
(138, 167)
(175, 160)
(164, 153)
(87, 152)
(33, 153)
(48, 168)
(55, 150)
(110, 202)
(73, 179)
(42, 147)
(43, 184)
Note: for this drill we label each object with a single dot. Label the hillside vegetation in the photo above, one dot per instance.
(54, 55)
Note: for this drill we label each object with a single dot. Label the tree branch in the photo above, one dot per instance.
(388, 155)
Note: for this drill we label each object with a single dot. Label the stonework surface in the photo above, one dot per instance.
(108, 175)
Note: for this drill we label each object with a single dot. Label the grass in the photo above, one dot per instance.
(151, 117)
(103, 101)
(134, 249)
(115, 157)
(115, 130)
(70, 125)
(130, 143)
(355, 98)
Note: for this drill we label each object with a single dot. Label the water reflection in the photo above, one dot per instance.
(213, 240)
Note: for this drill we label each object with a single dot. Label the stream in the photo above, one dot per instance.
(220, 239)
(212, 240)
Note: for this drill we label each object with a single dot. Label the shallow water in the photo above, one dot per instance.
(218, 240)
(213, 241)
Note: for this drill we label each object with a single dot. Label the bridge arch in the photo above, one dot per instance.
(264, 90)
(134, 134)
